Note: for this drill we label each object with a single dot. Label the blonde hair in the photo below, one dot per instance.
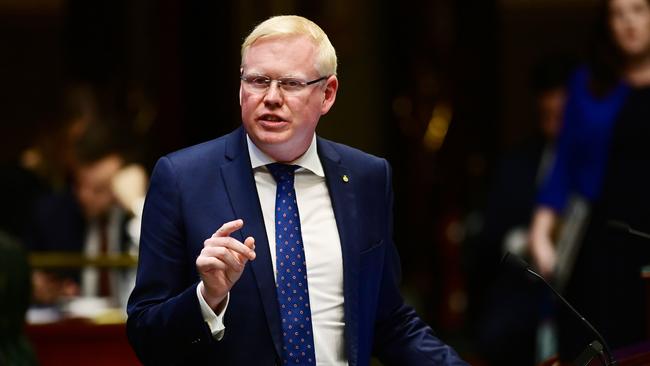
(289, 25)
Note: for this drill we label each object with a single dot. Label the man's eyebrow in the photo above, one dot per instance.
(289, 75)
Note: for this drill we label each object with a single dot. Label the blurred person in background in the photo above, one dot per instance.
(44, 163)
(509, 306)
(600, 176)
(51, 155)
(98, 215)
(15, 293)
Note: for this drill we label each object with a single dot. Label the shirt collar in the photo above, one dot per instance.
(309, 160)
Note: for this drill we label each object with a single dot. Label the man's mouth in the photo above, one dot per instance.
(271, 118)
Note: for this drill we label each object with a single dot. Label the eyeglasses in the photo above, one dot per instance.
(261, 83)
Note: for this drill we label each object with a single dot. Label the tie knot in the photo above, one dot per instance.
(282, 172)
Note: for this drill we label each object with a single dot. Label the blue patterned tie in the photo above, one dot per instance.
(291, 281)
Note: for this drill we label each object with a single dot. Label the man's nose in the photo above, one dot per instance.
(273, 94)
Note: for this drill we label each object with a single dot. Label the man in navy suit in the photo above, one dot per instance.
(224, 277)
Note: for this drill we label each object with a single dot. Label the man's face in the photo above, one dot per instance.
(93, 189)
(630, 24)
(282, 123)
(550, 104)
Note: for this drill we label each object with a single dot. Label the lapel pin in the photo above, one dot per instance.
(345, 178)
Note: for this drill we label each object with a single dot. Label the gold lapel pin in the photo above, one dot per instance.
(345, 178)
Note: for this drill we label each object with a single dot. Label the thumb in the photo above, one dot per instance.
(250, 242)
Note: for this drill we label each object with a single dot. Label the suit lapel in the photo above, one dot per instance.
(240, 184)
(341, 185)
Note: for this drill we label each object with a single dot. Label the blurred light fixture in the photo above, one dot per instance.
(438, 126)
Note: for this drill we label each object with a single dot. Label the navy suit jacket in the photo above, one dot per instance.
(194, 191)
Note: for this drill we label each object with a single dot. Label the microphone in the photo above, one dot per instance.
(595, 347)
(624, 226)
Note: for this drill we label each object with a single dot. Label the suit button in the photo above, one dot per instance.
(196, 341)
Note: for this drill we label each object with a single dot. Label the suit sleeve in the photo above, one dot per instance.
(401, 337)
(165, 325)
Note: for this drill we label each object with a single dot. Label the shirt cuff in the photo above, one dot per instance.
(215, 321)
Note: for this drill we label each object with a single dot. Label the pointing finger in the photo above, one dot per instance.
(228, 228)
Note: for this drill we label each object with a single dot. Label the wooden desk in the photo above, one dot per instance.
(79, 342)
(53, 260)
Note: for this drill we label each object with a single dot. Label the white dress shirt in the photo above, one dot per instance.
(322, 247)
(121, 281)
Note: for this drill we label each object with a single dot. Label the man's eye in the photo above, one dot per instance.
(291, 83)
(260, 81)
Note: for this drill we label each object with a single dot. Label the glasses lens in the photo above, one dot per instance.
(290, 84)
(258, 82)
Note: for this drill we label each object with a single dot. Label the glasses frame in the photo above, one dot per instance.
(248, 79)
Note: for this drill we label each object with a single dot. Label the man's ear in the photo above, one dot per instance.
(331, 87)
(241, 70)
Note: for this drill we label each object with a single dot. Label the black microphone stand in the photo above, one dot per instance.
(595, 348)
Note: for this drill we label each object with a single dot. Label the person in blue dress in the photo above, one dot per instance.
(604, 101)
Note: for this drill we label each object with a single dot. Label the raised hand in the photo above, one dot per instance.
(222, 261)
